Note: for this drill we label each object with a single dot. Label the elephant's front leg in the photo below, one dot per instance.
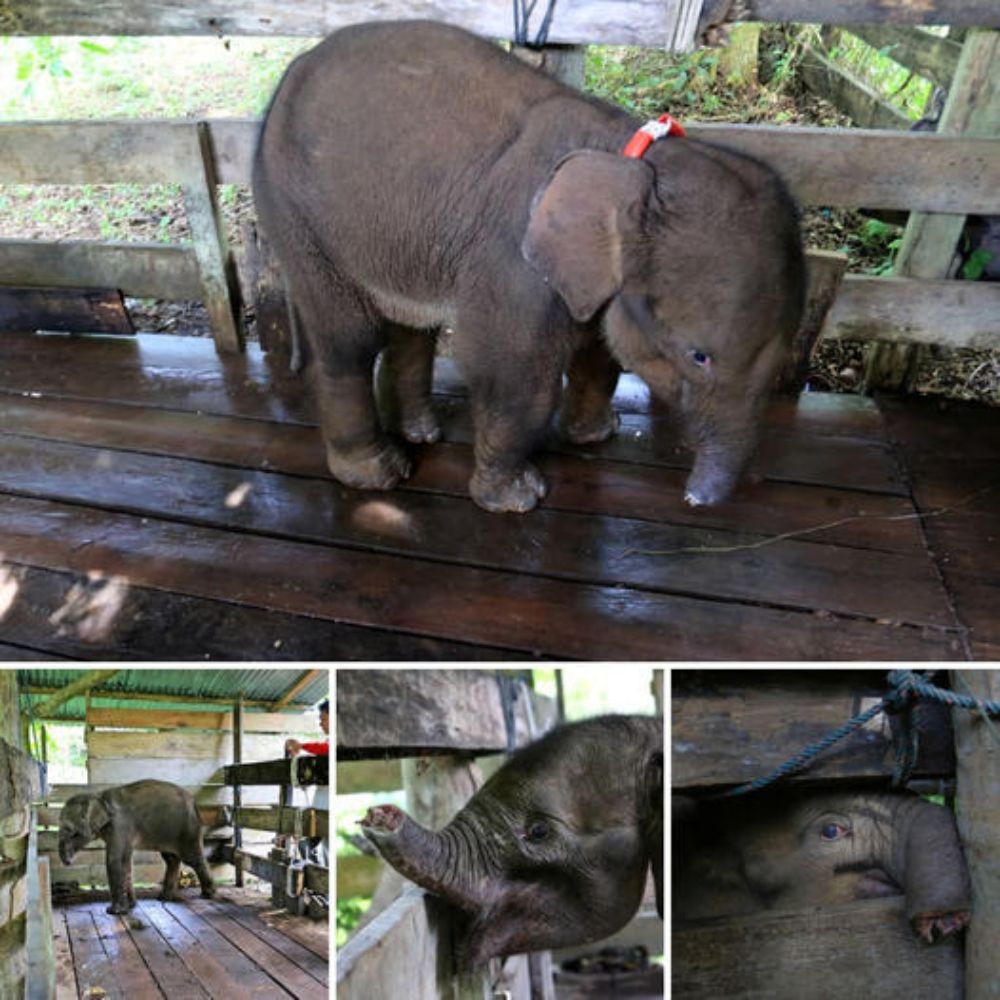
(197, 862)
(586, 415)
(119, 866)
(171, 876)
(358, 453)
(510, 415)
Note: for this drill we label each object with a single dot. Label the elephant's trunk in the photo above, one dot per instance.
(441, 862)
(930, 865)
(65, 853)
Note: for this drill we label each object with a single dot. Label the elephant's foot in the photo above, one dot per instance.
(937, 926)
(514, 493)
(118, 908)
(420, 428)
(582, 428)
(208, 893)
(171, 897)
(380, 468)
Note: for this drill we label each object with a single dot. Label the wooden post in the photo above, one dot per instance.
(930, 239)
(978, 807)
(215, 264)
(237, 787)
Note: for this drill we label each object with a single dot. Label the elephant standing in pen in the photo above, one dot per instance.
(148, 815)
(412, 177)
(800, 849)
(554, 849)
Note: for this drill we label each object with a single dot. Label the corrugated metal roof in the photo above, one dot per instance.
(263, 685)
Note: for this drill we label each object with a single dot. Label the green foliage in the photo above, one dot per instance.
(349, 912)
(975, 265)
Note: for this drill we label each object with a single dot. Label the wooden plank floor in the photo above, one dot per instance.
(157, 502)
(226, 947)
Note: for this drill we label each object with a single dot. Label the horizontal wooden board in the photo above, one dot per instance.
(142, 270)
(611, 22)
(495, 608)
(959, 13)
(459, 710)
(297, 723)
(158, 625)
(67, 310)
(576, 483)
(928, 55)
(903, 310)
(173, 745)
(833, 953)
(122, 771)
(848, 168)
(787, 573)
(728, 728)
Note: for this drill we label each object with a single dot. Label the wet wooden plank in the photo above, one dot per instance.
(180, 373)
(130, 971)
(505, 610)
(317, 965)
(863, 520)
(93, 970)
(213, 926)
(91, 310)
(66, 984)
(158, 625)
(607, 551)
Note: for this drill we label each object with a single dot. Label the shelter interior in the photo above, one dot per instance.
(265, 931)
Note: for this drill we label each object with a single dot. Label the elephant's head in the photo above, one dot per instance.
(694, 254)
(82, 819)
(820, 848)
(554, 849)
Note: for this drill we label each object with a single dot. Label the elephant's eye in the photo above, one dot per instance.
(835, 831)
(701, 359)
(538, 830)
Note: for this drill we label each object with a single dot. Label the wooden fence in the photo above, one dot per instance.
(732, 727)
(944, 177)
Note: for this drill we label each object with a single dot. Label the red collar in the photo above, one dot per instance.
(648, 134)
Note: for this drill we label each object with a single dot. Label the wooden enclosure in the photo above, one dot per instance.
(197, 947)
(420, 731)
(866, 535)
(731, 727)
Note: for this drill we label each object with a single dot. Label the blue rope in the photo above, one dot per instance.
(908, 687)
(522, 14)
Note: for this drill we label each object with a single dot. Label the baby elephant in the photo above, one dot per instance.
(554, 849)
(815, 848)
(150, 815)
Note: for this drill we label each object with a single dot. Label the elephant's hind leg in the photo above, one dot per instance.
(196, 860)
(171, 877)
(405, 375)
(587, 415)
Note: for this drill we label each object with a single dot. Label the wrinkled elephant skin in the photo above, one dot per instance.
(804, 849)
(554, 849)
(411, 177)
(145, 815)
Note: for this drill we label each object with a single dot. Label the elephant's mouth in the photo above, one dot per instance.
(875, 883)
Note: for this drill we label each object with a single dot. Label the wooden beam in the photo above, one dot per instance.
(141, 270)
(852, 96)
(303, 682)
(63, 310)
(904, 310)
(39, 942)
(284, 819)
(151, 718)
(837, 167)
(978, 809)
(93, 679)
(930, 56)
(733, 727)
(300, 771)
(316, 878)
(180, 699)
(958, 13)
(837, 953)
(612, 22)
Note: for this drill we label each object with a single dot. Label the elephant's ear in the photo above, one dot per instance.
(580, 220)
(652, 822)
(97, 816)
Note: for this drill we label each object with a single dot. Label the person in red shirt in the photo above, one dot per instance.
(320, 749)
